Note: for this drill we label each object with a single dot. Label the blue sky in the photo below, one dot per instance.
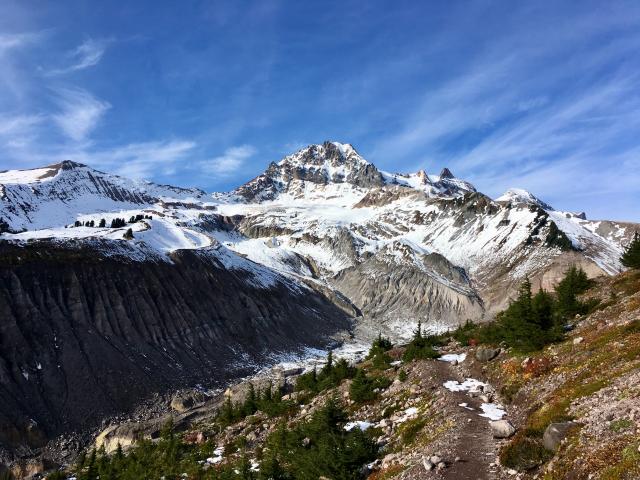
(538, 95)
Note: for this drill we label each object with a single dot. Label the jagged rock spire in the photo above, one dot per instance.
(446, 173)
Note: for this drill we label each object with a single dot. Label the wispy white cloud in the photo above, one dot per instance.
(15, 82)
(138, 160)
(79, 113)
(18, 125)
(10, 41)
(230, 161)
(19, 131)
(87, 54)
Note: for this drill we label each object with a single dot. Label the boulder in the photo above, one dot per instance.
(555, 433)
(502, 428)
(486, 354)
(183, 401)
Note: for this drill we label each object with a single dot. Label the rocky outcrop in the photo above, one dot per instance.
(84, 336)
(384, 196)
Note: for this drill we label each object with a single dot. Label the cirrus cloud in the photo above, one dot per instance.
(87, 54)
(79, 113)
(230, 161)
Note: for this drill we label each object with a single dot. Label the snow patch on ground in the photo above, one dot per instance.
(467, 385)
(453, 357)
(492, 411)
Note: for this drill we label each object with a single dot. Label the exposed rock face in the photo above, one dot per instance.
(399, 293)
(386, 195)
(83, 336)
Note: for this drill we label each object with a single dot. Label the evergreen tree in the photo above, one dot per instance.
(103, 223)
(417, 333)
(326, 370)
(631, 256)
(574, 283)
(421, 346)
(250, 405)
(542, 306)
(267, 394)
(227, 414)
(92, 470)
(128, 235)
(362, 387)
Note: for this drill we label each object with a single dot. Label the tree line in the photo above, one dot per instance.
(115, 222)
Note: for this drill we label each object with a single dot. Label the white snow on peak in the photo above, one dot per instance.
(320, 150)
(431, 184)
(34, 175)
(520, 195)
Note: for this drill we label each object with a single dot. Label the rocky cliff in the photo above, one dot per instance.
(84, 336)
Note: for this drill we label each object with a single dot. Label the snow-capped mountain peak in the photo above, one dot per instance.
(314, 167)
(334, 168)
(519, 195)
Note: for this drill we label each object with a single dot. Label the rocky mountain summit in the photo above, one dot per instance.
(141, 288)
(317, 166)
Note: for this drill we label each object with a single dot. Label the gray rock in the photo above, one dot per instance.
(502, 428)
(183, 401)
(555, 433)
(486, 398)
(486, 354)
